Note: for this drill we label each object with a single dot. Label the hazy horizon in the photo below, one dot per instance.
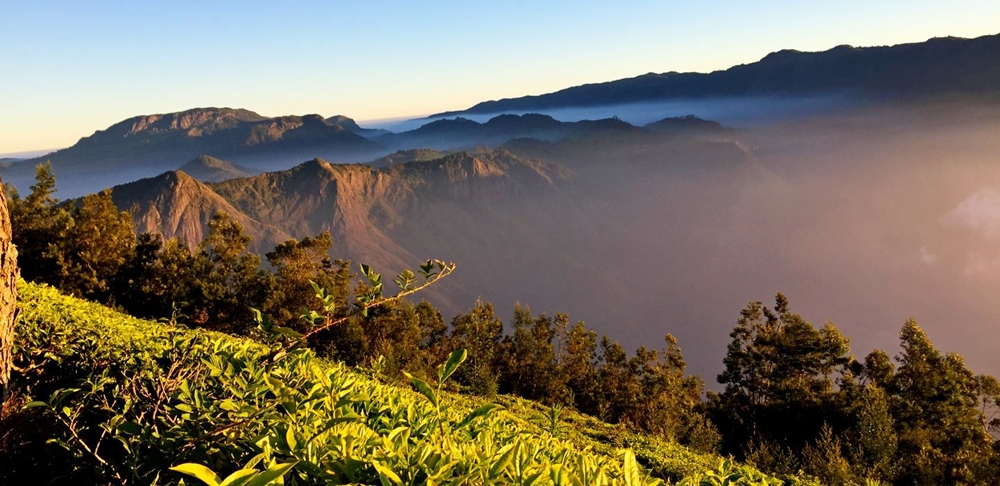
(78, 68)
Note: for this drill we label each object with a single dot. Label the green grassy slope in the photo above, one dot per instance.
(127, 399)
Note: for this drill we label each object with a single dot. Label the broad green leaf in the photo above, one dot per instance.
(423, 387)
(287, 332)
(534, 478)
(456, 358)
(267, 477)
(386, 475)
(238, 478)
(479, 412)
(203, 473)
(630, 469)
(229, 406)
(34, 404)
(506, 456)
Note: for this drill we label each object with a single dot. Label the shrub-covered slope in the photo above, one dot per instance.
(106, 398)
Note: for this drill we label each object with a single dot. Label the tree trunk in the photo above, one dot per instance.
(8, 296)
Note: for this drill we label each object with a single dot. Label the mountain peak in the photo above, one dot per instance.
(344, 122)
(196, 121)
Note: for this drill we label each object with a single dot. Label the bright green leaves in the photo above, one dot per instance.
(405, 280)
(423, 388)
(373, 293)
(630, 470)
(242, 477)
(551, 421)
(456, 358)
(433, 395)
(482, 411)
(215, 406)
(202, 473)
(729, 473)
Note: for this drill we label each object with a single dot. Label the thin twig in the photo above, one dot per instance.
(375, 303)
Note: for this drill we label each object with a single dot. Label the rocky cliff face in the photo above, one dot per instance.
(364, 208)
(176, 205)
(193, 123)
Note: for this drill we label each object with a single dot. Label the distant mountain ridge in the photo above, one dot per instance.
(937, 66)
(197, 141)
(458, 132)
(206, 168)
(143, 146)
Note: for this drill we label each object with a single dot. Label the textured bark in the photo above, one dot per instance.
(8, 295)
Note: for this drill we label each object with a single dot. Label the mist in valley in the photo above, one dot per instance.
(864, 219)
(739, 111)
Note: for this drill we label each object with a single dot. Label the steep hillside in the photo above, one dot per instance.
(481, 206)
(352, 126)
(168, 393)
(356, 203)
(175, 204)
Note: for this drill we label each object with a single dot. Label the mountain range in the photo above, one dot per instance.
(938, 66)
(144, 146)
(214, 144)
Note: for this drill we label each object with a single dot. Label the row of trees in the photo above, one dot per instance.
(795, 399)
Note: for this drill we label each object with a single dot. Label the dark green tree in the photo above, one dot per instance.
(227, 281)
(98, 243)
(942, 437)
(131, 286)
(577, 359)
(529, 359)
(480, 332)
(39, 224)
(297, 265)
(779, 379)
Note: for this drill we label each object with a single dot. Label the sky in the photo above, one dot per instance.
(69, 68)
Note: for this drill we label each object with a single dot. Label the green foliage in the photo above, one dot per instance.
(135, 398)
(98, 243)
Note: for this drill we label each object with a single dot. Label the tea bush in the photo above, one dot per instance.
(138, 402)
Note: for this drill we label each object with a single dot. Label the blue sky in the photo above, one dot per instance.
(69, 68)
